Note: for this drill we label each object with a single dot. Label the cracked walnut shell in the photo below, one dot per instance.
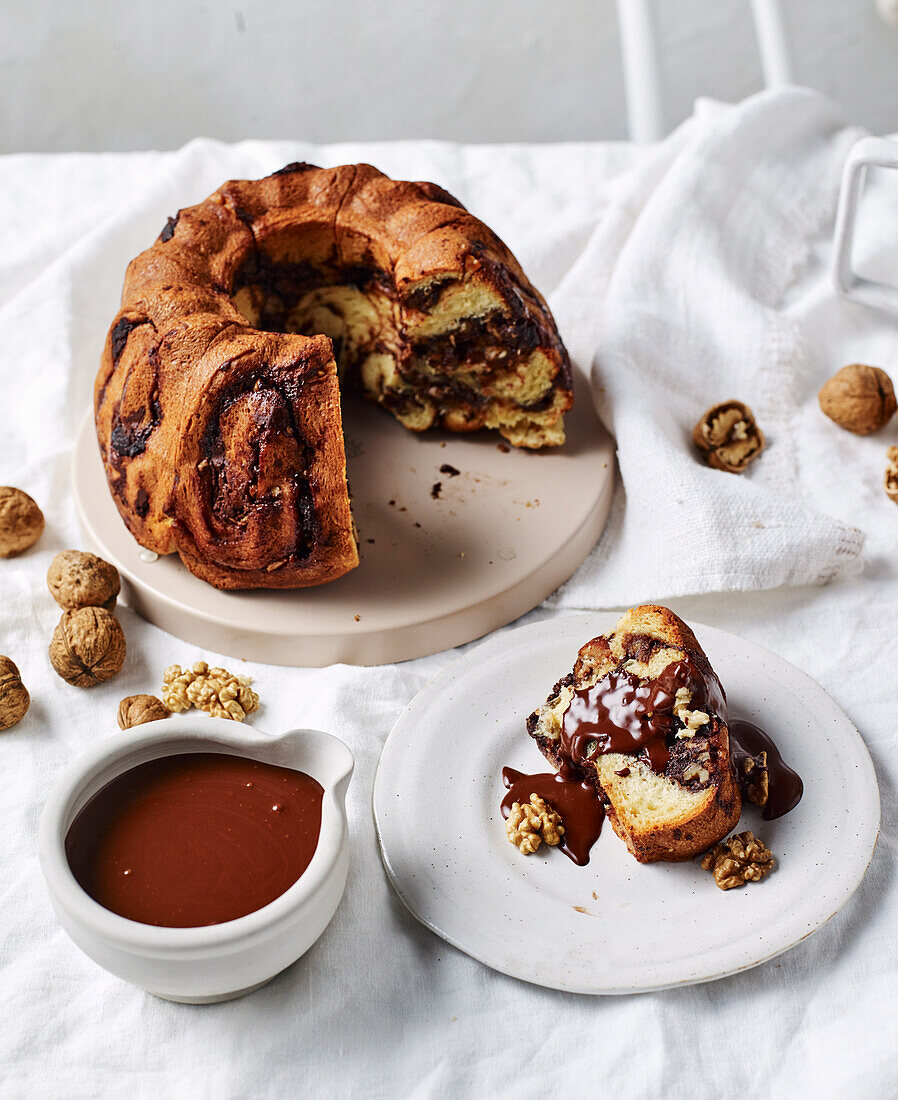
(14, 697)
(78, 579)
(530, 823)
(88, 646)
(890, 480)
(21, 521)
(135, 710)
(729, 437)
(739, 859)
(859, 398)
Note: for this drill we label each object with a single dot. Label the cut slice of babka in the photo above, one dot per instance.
(643, 717)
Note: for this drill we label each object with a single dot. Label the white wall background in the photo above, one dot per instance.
(137, 74)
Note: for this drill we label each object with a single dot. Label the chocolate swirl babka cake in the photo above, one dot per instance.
(642, 718)
(218, 398)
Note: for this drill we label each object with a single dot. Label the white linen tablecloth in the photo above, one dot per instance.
(683, 274)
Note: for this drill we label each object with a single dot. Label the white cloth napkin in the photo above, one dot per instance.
(693, 272)
(677, 303)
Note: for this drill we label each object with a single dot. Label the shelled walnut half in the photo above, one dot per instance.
(739, 859)
(729, 437)
(215, 690)
(890, 480)
(754, 778)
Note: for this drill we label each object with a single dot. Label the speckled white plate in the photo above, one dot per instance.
(613, 926)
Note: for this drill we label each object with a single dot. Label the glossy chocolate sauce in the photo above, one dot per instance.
(785, 785)
(195, 839)
(578, 805)
(621, 713)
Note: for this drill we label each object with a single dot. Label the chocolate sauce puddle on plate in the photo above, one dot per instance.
(785, 785)
(578, 805)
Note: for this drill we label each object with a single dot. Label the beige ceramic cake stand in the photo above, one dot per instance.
(439, 566)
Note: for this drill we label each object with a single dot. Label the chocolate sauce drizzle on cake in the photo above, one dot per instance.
(580, 808)
(621, 713)
(785, 785)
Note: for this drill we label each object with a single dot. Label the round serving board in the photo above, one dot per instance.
(439, 566)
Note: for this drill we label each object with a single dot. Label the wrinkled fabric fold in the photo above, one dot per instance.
(679, 302)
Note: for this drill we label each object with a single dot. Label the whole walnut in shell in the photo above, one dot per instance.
(859, 398)
(88, 646)
(137, 709)
(21, 522)
(14, 697)
(78, 579)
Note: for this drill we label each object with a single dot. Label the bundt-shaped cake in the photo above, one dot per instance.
(642, 717)
(218, 397)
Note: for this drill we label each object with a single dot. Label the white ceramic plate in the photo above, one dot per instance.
(434, 573)
(613, 926)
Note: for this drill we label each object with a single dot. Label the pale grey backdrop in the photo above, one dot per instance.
(137, 74)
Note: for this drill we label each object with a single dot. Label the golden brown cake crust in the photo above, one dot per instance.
(689, 822)
(222, 439)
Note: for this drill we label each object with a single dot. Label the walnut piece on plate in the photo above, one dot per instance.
(728, 436)
(739, 859)
(754, 778)
(531, 823)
